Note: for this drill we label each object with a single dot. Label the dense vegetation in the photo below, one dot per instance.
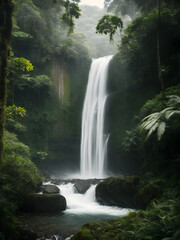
(48, 65)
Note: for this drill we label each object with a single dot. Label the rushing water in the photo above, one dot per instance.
(81, 208)
(86, 204)
(93, 139)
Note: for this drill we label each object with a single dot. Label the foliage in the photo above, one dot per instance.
(130, 141)
(20, 64)
(15, 111)
(37, 82)
(19, 178)
(160, 221)
(72, 11)
(157, 121)
(157, 103)
(75, 48)
(17, 166)
(8, 220)
(133, 80)
(108, 24)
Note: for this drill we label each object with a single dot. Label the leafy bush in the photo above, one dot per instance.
(19, 178)
(19, 174)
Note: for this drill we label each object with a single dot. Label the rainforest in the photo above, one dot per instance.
(89, 120)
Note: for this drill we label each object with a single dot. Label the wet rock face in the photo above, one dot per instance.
(50, 189)
(83, 185)
(118, 191)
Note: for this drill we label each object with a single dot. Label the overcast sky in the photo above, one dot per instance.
(99, 3)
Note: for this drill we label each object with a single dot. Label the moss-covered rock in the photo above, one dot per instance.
(144, 196)
(83, 234)
(119, 191)
(42, 203)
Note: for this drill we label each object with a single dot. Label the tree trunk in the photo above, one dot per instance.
(158, 49)
(6, 9)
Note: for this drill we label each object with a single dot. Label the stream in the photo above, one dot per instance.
(81, 208)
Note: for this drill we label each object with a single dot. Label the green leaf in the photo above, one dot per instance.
(161, 130)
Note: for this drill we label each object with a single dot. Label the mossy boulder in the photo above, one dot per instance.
(118, 191)
(144, 196)
(43, 203)
(83, 234)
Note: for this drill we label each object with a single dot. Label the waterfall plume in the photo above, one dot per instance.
(93, 139)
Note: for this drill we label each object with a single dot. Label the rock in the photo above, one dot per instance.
(45, 203)
(27, 234)
(118, 191)
(82, 185)
(83, 234)
(50, 189)
(147, 194)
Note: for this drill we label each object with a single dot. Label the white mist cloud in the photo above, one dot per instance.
(98, 3)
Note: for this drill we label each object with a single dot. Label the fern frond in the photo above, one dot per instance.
(169, 114)
(152, 130)
(161, 130)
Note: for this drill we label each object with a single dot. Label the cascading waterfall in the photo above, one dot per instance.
(93, 139)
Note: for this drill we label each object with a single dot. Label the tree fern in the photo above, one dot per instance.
(158, 121)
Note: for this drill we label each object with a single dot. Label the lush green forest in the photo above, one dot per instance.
(46, 49)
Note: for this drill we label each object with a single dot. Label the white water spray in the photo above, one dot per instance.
(93, 139)
(85, 204)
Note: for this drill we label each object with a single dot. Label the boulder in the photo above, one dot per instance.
(45, 203)
(144, 196)
(83, 234)
(82, 185)
(50, 189)
(118, 191)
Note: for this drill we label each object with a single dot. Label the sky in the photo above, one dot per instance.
(98, 3)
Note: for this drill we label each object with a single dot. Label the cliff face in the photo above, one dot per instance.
(69, 82)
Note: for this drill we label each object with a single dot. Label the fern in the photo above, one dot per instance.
(158, 121)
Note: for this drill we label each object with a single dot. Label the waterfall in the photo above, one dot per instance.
(93, 139)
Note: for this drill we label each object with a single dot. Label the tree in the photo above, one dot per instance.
(108, 24)
(6, 10)
(72, 10)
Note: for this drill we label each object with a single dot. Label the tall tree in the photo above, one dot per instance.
(109, 24)
(6, 10)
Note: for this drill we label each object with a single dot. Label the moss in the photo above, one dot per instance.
(117, 191)
(42, 203)
(147, 194)
(83, 234)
